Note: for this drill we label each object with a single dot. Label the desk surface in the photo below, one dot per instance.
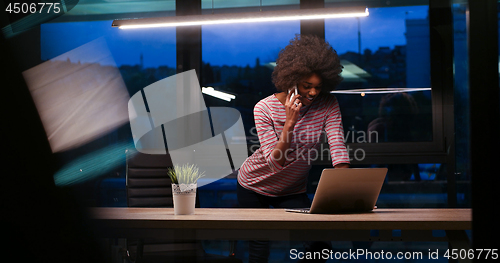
(278, 219)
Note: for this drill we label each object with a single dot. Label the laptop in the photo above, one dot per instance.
(343, 190)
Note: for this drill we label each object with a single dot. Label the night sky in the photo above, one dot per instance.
(238, 44)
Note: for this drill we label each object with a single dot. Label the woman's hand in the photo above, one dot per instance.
(292, 109)
(342, 165)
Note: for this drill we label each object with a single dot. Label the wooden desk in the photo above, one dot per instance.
(276, 224)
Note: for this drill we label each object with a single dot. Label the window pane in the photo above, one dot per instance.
(139, 58)
(239, 59)
(157, 46)
(386, 88)
(142, 56)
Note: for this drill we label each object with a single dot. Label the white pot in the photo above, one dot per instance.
(184, 198)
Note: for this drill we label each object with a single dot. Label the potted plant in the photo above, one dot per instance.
(184, 184)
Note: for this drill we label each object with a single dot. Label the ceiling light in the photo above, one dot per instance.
(218, 94)
(247, 17)
(378, 90)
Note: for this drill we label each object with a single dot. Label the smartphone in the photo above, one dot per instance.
(295, 92)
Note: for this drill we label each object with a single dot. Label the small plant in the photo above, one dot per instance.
(185, 174)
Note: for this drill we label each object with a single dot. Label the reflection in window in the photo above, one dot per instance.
(386, 58)
(141, 56)
(386, 117)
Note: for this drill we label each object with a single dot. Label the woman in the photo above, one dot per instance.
(289, 125)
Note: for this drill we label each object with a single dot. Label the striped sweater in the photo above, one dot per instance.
(261, 173)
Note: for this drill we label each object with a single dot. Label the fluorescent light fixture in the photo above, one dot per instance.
(246, 17)
(218, 94)
(378, 90)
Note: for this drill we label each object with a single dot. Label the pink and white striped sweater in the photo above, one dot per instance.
(263, 174)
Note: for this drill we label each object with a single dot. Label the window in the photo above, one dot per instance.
(142, 56)
(385, 95)
(134, 59)
(387, 79)
(239, 59)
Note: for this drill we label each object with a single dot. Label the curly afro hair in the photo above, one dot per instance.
(304, 56)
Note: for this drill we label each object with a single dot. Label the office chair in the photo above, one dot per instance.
(148, 185)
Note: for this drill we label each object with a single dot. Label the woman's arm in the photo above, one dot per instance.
(335, 136)
(274, 148)
(292, 115)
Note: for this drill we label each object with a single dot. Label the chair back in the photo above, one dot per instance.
(148, 184)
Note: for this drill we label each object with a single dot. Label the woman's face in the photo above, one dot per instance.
(309, 88)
